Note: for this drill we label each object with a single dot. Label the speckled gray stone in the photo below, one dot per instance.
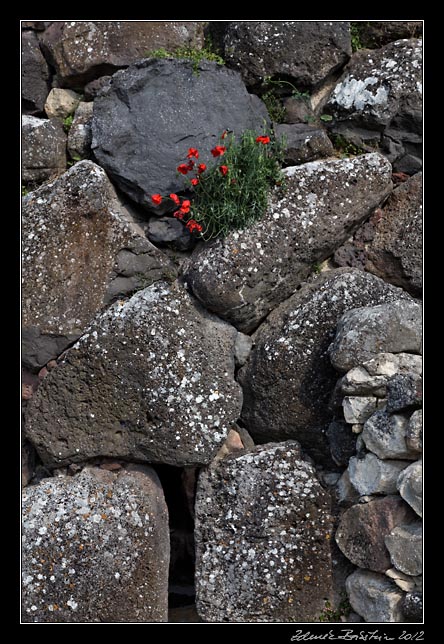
(262, 538)
(410, 486)
(363, 528)
(247, 274)
(152, 380)
(385, 435)
(390, 327)
(35, 75)
(95, 548)
(61, 103)
(43, 149)
(414, 432)
(305, 51)
(371, 475)
(80, 135)
(288, 379)
(374, 597)
(81, 249)
(405, 546)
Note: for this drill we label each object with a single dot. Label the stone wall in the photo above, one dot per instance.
(188, 453)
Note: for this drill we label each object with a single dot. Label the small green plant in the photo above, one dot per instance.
(355, 36)
(25, 191)
(344, 147)
(316, 268)
(295, 92)
(233, 194)
(188, 53)
(330, 615)
(274, 106)
(73, 160)
(326, 118)
(67, 122)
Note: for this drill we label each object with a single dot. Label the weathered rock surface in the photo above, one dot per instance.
(374, 597)
(371, 475)
(95, 548)
(412, 607)
(151, 380)
(307, 52)
(81, 249)
(381, 92)
(61, 103)
(374, 34)
(357, 409)
(262, 538)
(358, 382)
(342, 442)
(385, 435)
(166, 231)
(43, 149)
(137, 109)
(389, 244)
(363, 528)
(404, 392)
(303, 142)
(414, 432)
(391, 327)
(35, 75)
(405, 546)
(410, 486)
(290, 362)
(80, 134)
(247, 274)
(84, 50)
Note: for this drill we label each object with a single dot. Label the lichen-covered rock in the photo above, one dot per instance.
(166, 231)
(140, 107)
(357, 409)
(412, 607)
(43, 149)
(374, 597)
(80, 134)
(410, 486)
(342, 442)
(371, 475)
(380, 94)
(35, 75)
(404, 392)
(414, 432)
(307, 52)
(405, 546)
(247, 274)
(262, 538)
(288, 379)
(152, 380)
(303, 142)
(374, 33)
(61, 103)
(363, 528)
(95, 548)
(83, 50)
(385, 435)
(390, 327)
(81, 250)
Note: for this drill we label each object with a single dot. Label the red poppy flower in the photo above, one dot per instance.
(218, 150)
(223, 170)
(190, 165)
(185, 207)
(224, 134)
(201, 168)
(192, 225)
(156, 199)
(178, 214)
(183, 168)
(263, 139)
(192, 152)
(175, 198)
(194, 182)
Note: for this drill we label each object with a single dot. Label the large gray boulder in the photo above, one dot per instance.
(379, 98)
(35, 75)
(363, 528)
(247, 274)
(151, 113)
(304, 51)
(95, 548)
(392, 327)
(371, 475)
(288, 379)
(152, 380)
(385, 435)
(262, 538)
(374, 597)
(81, 249)
(43, 149)
(83, 50)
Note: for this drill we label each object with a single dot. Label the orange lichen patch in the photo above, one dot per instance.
(87, 515)
(328, 536)
(235, 251)
(290, 600)
(104, 516)
(307, 578)
(109, 494)
(81, 546)
(265, 600)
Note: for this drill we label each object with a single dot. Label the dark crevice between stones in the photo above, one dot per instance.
(179, 488)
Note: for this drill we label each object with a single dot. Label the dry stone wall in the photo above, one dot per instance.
(188, 451)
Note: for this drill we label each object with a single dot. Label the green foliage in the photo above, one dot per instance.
(330, 615)
(274, 106)
(188, 53)
(25, 191)
(73, 160)
(344, 147)
(236, 200)
(326, 118)
(355, 36)
(67, 122)
(316, 268)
